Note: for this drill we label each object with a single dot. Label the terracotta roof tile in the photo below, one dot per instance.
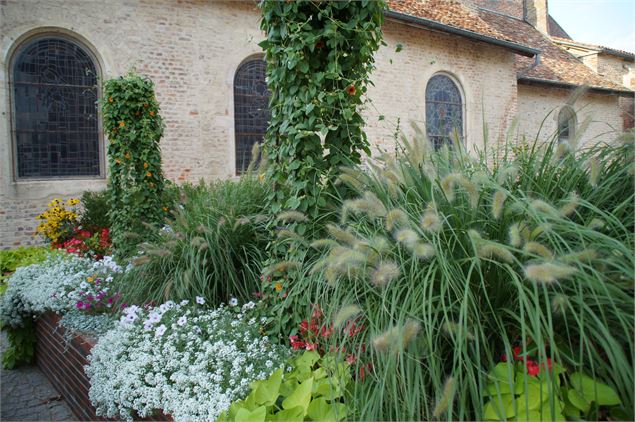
(600, 48)
(556, 64)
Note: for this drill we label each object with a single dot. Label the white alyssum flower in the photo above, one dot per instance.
(192, 371)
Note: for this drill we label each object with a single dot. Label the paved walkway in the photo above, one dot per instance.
(26, 395)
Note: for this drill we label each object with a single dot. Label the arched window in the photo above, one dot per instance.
(251, 109)
(55, 115)
(566, 124)
(444, 110)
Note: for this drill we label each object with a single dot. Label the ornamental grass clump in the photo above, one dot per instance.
(212, 247)
(189, 361)
(516, 258)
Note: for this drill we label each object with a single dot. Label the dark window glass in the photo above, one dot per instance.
(251, 110)
(566, 124)
(55, 110)
(444, 110)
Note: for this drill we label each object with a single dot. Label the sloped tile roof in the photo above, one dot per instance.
(555, 30)
(599, 48)
(556, 65)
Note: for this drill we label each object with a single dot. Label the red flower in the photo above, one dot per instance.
(326, 332)
(503, 357)
(532, 368)
(351, 359)
(317, 311)
(296, 343)
(304, 326)
(351, 90)
(311, 346)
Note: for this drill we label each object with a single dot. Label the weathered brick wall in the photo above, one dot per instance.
(192, 48)
(63, 364)
(486, 76)
(539, 106)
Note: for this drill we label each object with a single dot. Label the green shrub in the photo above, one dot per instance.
(452, 263)
(314, 389)
(213, 248)
(11, 259)
(95, 207)
(21, 350)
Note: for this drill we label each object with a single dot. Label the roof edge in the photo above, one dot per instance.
(537, 81)
(598, 48)
(431, 24)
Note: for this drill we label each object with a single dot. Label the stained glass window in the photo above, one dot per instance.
(566, 124)
(444, 111)
(56, 125)
(251, 109)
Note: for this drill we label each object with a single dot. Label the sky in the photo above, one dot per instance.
(610, 23)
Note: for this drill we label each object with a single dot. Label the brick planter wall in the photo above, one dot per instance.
(63, 364)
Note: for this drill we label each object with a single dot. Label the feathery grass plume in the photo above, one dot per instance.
(376, 207)
(323, 244)
(197, 241)
(368, 205)
(201, 228)
(384, 274)
(351, 177)
(280, 267)
(487, 249)
(221, 222)
(131, 236)
(497, 203)
(344, 314)
(540, 229)
(446, 397)
(407, 237)
(584, 255)
(453, 329)
(383, 342)
(288, 234)
(259, 218)
(448, 184)
(342, 235)
(514, 235)
(379, 244)
(423, 250)
(396, 217)
(507, 173)
(594, 171)
(140, 260)
(536, 248)
(410, 330)
(319, 266)
(548, 272)
(291, 216)
(543, 207)
(559, 303)
(571, 205)
(596, 223)
(472, 191)
(241, 222)
(430, 221)
(562, 149)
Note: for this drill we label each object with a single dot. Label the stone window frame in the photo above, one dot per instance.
(455, 80)
(566, 120)
(13, 54)
(252, 57)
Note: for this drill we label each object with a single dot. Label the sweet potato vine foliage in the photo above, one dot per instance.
(134, 128)
(319, 57)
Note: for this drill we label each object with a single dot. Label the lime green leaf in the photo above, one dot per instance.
(532, 415)
(495, 408)
(257, 415)
(294, 414)
(578, 401)
(593, 390)
(267, 391)
(318, 409)
(300, 397)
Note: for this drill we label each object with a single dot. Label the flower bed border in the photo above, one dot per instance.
(62, 362)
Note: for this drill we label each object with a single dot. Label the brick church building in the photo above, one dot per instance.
(465, 64)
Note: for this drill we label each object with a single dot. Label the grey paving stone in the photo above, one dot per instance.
(27, 395)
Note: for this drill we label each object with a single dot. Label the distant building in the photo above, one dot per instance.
(464, 64)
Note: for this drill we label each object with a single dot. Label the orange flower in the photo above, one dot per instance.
(165, 209)
(152, 113)
(118, 161)
(145, 165)
(351, 90)
(278, 287)
(127, 155)
(148, 174)
(122, 124)
(110, 100)
(146, 105)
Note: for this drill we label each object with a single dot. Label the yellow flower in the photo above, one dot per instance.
(145, 165)
(90, 279)
(148, 174)
(122, 124)
(278, 287)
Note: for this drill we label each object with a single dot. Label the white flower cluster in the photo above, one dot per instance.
(51, 285)
(187, 360)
